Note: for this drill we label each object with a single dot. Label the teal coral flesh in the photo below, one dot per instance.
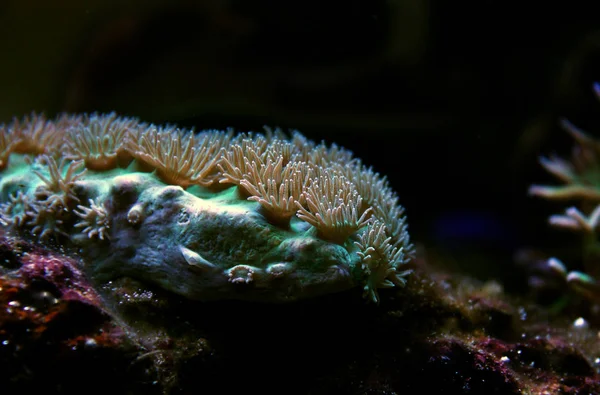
(209, 215)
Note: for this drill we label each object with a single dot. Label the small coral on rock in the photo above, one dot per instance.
(209, 215)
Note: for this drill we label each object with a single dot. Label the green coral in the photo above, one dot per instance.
(209, 215)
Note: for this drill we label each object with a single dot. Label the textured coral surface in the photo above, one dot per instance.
(210, 215)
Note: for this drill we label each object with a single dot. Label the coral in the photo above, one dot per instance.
(16, 210)
(208, 215)
(177, 156)
(277, 188)
(7, 145)
(98, 140)
(581, 183)
(380, 260)
(325, 156)
(58, 188)
(581, 175)
(37, 135)
(244, 150)
(95, 220)
(47, 220)
(332, 207)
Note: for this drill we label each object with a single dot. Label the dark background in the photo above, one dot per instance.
(454, 103)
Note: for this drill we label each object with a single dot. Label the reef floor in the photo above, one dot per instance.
(443, 333)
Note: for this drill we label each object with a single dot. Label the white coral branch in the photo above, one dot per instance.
(574, 219)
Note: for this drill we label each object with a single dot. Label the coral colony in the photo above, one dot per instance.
(581, 183)
(209, 215)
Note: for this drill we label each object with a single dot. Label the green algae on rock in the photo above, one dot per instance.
(209, 215)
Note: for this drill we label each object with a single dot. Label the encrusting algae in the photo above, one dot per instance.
(208, 215)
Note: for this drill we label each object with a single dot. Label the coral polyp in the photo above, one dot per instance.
(580, 176)
(210, 215)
